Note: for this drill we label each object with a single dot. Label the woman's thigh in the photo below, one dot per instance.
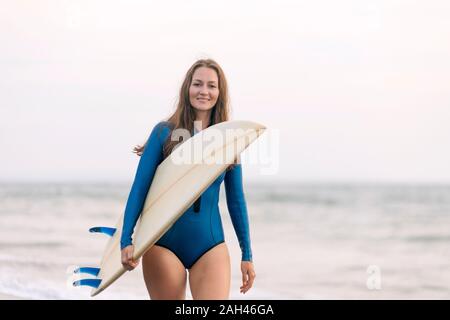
(164, 274)
(209, 277)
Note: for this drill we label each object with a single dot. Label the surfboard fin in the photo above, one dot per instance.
(88, 270)
(106, 230)
(94, 283)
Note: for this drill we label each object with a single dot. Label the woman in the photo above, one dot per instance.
(195, 242)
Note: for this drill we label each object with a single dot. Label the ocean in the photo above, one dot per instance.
(309, 241)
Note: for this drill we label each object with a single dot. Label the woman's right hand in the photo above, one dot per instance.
(127, 258)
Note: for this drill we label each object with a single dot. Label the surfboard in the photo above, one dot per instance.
(178, 182)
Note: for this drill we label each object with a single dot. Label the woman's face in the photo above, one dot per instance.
(204, 89)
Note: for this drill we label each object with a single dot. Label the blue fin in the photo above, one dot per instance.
(109, 231)
(88, 270)
(94, 283)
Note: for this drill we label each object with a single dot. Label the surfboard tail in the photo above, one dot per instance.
(93, 283)
(105, 230)
(88, 270)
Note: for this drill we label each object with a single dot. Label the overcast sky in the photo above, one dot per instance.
(358, 90)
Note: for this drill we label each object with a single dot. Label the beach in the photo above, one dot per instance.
(9, 297)
(308, 241)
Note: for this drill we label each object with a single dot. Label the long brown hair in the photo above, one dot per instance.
(184, 115)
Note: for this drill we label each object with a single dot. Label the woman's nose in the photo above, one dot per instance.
(204, 90)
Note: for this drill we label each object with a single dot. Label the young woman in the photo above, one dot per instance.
(195, 242)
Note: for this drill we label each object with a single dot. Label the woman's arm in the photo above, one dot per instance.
(150, 159)
(238, 212)
(238, 209)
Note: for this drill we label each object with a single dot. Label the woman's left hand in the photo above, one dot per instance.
(248, 275)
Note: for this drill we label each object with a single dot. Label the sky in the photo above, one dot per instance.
(350, 91)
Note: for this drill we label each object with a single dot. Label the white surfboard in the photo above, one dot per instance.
(175, 187)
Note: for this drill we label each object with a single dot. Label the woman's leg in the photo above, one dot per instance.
(209, 277)
(164, 274)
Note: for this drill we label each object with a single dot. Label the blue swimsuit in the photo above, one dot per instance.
(199, 229)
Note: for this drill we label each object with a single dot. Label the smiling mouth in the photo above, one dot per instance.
(203, 99)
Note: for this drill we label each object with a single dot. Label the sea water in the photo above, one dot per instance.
(315, 241)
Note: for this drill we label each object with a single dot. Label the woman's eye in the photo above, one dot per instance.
(197, 84)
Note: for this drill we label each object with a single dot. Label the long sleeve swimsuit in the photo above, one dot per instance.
(199, 229)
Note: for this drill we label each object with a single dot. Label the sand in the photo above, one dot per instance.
(9, 297)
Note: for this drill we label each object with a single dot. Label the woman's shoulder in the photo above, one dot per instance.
(162, 129)
(163, 126)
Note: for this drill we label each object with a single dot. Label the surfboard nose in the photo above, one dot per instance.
(251, 125)
(259, 127)
(245, 124)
